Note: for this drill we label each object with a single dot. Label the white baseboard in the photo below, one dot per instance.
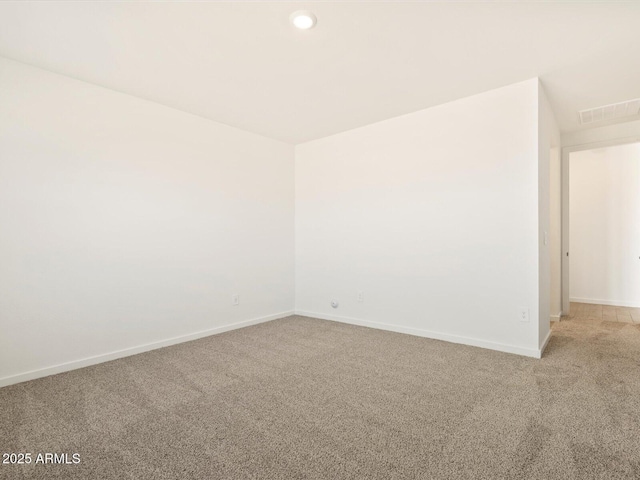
(557, 317)
(545, 343)
(474, 342)
(614, 303)
(85, 362)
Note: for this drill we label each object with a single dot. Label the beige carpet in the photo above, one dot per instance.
(305, 398)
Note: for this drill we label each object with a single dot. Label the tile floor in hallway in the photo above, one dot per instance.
(605, 312)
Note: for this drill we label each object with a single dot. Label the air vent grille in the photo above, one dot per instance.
(610, 112)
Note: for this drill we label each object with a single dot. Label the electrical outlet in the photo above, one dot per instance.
(360, 296)
(524, 314)
(235, 299)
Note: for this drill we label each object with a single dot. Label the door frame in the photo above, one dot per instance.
(564, 219)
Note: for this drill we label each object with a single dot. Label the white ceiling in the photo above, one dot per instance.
(243, 64)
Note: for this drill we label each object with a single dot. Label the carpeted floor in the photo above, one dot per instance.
(304, 398)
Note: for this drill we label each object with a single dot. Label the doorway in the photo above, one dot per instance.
(601, 230)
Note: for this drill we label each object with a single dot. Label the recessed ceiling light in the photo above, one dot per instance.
(303, 19)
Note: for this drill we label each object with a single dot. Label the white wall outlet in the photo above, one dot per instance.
(360, 296)
(235, 299)
(334, 303)
(524, 314)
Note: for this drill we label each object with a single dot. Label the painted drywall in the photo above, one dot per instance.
(128, 225)
(433, 216)
(605, 225)
(549, 284)
(549, 217)
(555, 232)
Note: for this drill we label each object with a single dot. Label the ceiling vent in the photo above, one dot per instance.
(610, 112)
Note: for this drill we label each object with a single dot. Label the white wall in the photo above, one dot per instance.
(126, 223)
(433, 215)
(550, 210)
(555, 232)
(605, 225)
(550, 217)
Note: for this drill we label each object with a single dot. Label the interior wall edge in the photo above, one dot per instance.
(544, 344)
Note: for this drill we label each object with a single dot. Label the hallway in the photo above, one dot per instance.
(605, 313)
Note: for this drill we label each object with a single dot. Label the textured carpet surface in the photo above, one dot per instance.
(305, 398)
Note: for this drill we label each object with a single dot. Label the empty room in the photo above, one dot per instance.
(319, 240)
